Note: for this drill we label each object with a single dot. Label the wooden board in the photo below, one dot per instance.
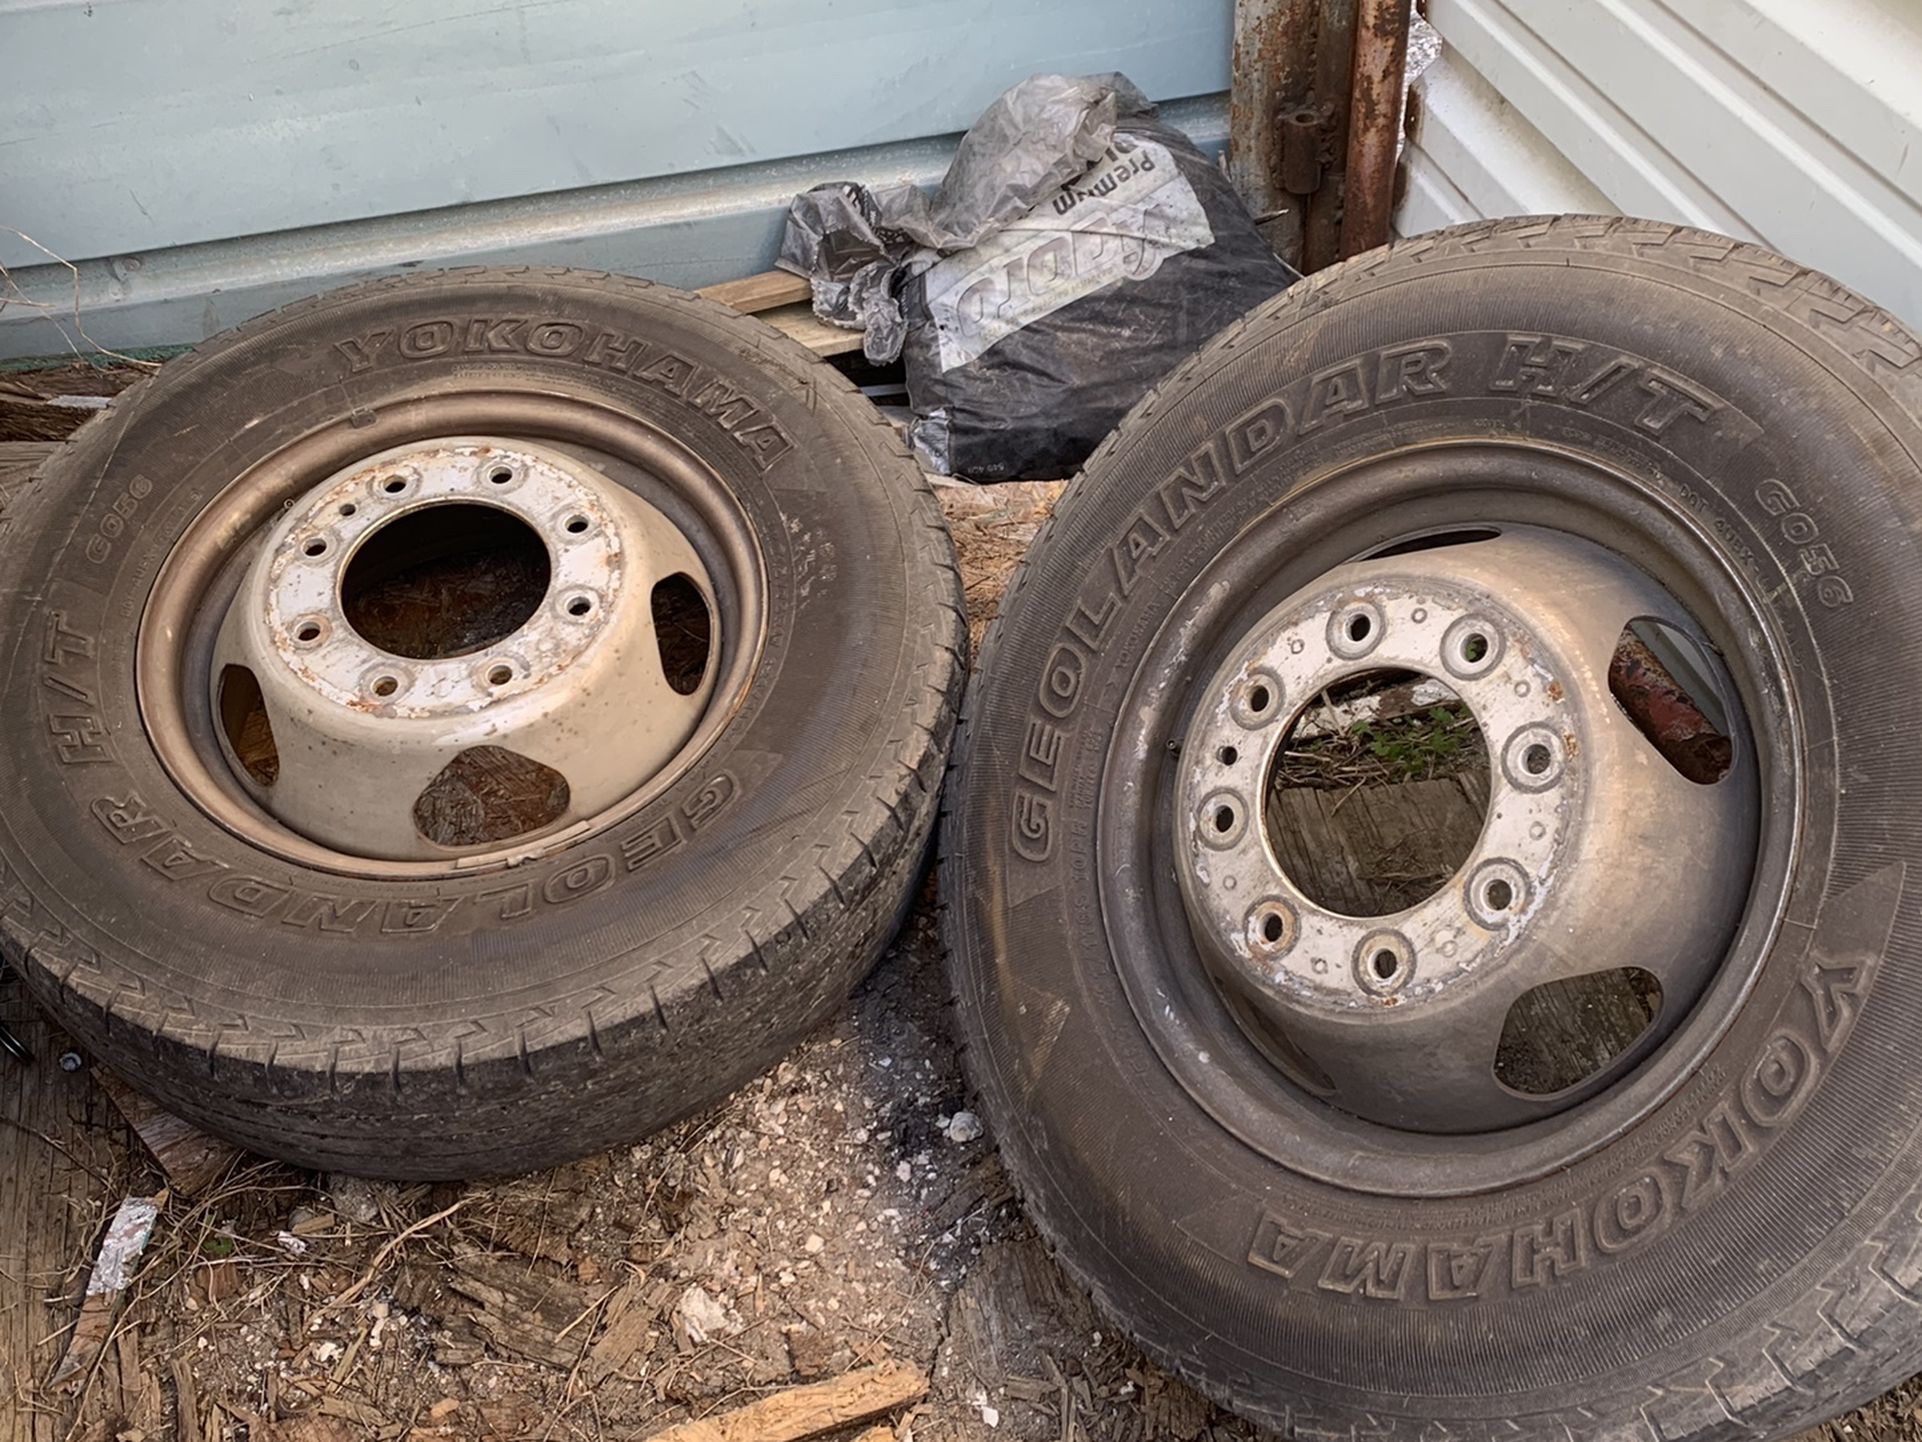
(52, 403)
(18, 458)
(1375, 849)
(801, 1413)
(799, 322)
(766, 291)
(785, 302)
(62, 1162)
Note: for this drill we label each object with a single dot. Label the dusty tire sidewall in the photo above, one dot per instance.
(1269, 1288)
(174, 938)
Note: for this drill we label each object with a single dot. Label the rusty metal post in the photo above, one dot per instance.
(1333, 74)
(1374, 128)
(1274, 51)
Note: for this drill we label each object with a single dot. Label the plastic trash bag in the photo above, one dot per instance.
(1076, 251)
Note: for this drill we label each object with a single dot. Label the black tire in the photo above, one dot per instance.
(511, 1020)
(1772, 1274)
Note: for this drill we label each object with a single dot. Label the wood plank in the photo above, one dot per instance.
(186, 1403)
(72, 378)
(753, 293)
(19, 459)
(1375, 849)
(786, 302)
(803, 1412)
(192, 1160)
(799, 322)
(631, 1313)
(52, 403)
(61, 1144)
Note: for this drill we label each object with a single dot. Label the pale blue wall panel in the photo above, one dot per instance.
(130, 125)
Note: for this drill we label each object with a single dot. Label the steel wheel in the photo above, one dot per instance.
(1401, 1016)
(470, 732)
(1605, 493)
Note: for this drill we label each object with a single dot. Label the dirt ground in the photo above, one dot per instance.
(844, 1210)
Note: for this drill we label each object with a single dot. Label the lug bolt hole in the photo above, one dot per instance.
(500, 475)
(394, 485)
(315, 547)
(579, 606)
(1255, 699)
(500, 675)
(1499, 895)
(1384, 964)
(1228, 756)
(1224, 818)
(575, 525)
(1355, 629)
(308, 632)
(385, 685)
(1536, 759)
(1471, 647)
(1272, 928)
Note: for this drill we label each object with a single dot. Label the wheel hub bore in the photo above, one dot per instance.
(1595, 853)
(563, 715)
